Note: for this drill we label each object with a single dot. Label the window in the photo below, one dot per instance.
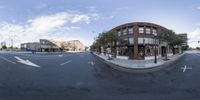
(140, 40)
(119, 33)
(148, 31)
(141, 29)
(154, 31)
(124, 31)
(125, 41)
(43, 42)
(130, 30)
(131, 40)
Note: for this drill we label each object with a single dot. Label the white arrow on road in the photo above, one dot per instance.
(26, 62)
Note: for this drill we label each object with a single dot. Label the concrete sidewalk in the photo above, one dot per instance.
(127, 65)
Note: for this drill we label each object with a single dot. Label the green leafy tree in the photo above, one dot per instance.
(4, 47)
(171, 38)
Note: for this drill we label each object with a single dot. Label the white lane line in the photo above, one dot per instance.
(7, 60)
(66, 62)
(26, 62)
(184, 68)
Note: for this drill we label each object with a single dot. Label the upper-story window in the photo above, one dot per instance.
(131, 40)
(43, 42)
(141, 29)
(148, 31)
(130, 30)
(154, 31)
(119, 32)
(124, 31)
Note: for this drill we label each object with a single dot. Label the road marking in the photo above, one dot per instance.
(66, 62)
(7, 60)
(26, 62)
(184, 68)
(60, 55)
(92, 63)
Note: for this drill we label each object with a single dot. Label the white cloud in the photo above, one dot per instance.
(43, 27)
(194, 36)
(78, 18)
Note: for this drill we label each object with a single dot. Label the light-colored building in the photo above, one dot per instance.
(46, 45)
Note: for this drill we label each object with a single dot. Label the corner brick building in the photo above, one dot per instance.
(137, 40)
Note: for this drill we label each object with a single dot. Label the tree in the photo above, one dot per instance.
(111, 41)
(105, 40)
(171, 38)
(4, 47)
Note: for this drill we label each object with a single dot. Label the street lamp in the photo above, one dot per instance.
(155, 61)
(144, 48)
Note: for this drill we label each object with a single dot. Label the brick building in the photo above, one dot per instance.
(139, 39)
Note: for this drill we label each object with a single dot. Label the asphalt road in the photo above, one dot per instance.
(84, 77)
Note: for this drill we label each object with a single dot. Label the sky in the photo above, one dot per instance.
(30, 20)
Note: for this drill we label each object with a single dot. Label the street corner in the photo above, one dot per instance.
(142, 66)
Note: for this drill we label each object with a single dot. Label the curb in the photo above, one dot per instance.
(142, 70)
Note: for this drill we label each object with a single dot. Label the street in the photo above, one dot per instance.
(82, 76)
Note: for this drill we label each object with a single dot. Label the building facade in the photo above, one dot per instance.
(49, 46)
(46, 45)
(32, 46)
(139, 40)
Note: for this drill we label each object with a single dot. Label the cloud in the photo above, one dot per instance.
(78, 18)
(194, 36)
(48, 26)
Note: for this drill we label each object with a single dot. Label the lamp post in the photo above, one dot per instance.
(155, 61)
(144, 48)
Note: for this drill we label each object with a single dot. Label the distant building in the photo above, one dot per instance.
(32, 46)
(75, 45)
(49, 46)
(46, 45)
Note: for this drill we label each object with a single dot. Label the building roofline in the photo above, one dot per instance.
(136, 23)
